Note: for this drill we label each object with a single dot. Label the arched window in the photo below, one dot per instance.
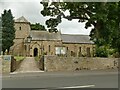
(19, 28)
(49, 48)
(80, 53)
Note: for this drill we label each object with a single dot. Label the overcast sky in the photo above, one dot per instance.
(30, 9)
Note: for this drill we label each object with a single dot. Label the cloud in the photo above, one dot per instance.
(73, 27)
(30, 9)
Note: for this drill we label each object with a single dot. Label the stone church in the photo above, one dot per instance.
(33, 43)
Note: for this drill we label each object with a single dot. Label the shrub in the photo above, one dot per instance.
(101, 51)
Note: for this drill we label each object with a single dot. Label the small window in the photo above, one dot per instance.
(29, 47)
(88, 51)
(79, 49)
(19, 28)
(60, 50)
(49, 48)
(79, 53)
(25, 47)
(67, 48)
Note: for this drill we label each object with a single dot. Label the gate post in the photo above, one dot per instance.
(6, 63)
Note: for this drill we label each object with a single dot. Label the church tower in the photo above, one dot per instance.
(22, 27)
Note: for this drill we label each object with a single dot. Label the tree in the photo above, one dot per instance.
(37, 26)
(104, 16)
(116, 33)
(8, 30)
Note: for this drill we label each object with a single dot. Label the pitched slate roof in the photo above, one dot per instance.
(84, 39)
(44, 35)
(22, 19)
(66, 38)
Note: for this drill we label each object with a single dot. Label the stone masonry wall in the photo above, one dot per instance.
(15, 64)
(6, 64)
(18, 48)
(22, 30)
(43, 46)
(55, 63)
(75, 48)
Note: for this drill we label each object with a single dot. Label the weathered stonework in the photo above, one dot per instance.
(55, 63)
(22, 32)
(22, 29)
(75, 49)
(9, 65)
(6, 64)
(43, 47)
(43, 42)
(18, 48)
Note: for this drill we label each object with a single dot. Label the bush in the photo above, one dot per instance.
(101, 51)
(116, 55)
(111, 51)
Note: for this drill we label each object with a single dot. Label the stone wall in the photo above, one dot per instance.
(15, 64)
(79, 49)
(22, 29)
(18, 48)
(9, 64)
(44, 47)
(55, 63)
(6, 63)
(48, 48)
(40, 63)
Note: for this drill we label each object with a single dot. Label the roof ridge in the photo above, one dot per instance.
(70, 38)
(75, 34)
(21, 19)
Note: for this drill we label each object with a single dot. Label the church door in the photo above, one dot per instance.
(35, 52)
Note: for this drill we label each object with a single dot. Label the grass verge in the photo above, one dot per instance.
(19, 58)
(37, 58)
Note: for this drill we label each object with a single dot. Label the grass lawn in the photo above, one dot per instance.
(37, 58)
(18, 58)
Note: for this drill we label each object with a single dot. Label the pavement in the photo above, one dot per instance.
(60, 73)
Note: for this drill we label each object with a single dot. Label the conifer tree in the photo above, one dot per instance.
(8, 30)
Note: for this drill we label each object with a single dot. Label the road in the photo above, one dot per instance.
(48, 80)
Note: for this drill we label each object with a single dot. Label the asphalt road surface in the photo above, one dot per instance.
(62, 80)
